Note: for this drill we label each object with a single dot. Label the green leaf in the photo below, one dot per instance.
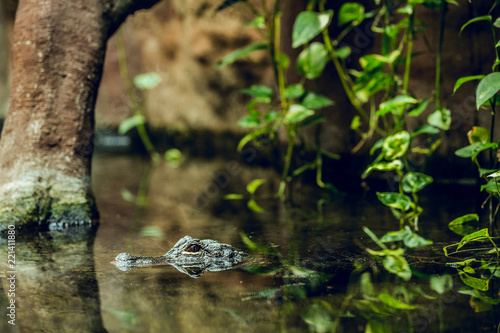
(496, 24)
(462, 80)
(375, 239)
(485, 172)
(251, 136)
(464, 225)
(396, 145)
(473, 282)
(147, 81)
(355, 123)
(130, 123)
(259, 91)
(470, 150)
(470, 270)
(473, 150)
(428, 129)
(377, 145)
(174, 157)
(394, 302)
(491, 145)
(408, 9)
(243, 52)
(414, 240)
(492, 186)
(312, 60)
(395, 200)
(475, 236)
(316, 118)
(478, 134)
(476, 19)
(419, 108)
(383, 166)
(271, 116)
(308, 25)
(250, 120)
(351, 12)
(415, 181)
(283, 60)
(294, 91)
(254, 185)
(440, 119)
(487, 88)
(233, 196)
(315, 101)
(343, 52)
(495, 174)
(297, 113)
(258, 22)
(253, 206)
(393, 104)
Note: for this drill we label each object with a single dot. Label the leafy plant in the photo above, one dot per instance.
(286, 106)
(479, 270)
(144, 82)
(482, 147)
(378, 89)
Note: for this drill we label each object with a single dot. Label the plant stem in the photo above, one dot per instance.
(409, 51)
(288, 160)
(122, 65)
(340, 71)
(138, 110)
(437, 96)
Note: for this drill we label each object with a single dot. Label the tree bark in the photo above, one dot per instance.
(46, 144)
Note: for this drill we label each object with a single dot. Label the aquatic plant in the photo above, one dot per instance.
(482, 148)
(142, 82)
(287, 106)
(379, 91)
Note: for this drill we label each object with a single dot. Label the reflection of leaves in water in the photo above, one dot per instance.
(234, 314)
(441, 284)
(152, 231)
(127, 319)
(394, 302)
(479, 301)
(318, 318)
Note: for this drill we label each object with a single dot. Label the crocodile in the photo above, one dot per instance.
(190, 256)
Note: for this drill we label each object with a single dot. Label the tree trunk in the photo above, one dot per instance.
(46, 145)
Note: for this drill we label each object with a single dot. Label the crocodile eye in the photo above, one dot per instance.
(192, 248)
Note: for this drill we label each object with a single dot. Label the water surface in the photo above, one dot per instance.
(66, 282)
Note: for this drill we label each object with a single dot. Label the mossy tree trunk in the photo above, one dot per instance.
(46, 144)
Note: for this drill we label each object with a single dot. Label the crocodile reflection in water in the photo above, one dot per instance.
(190, 256)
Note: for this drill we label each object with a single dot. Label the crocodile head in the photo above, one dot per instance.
(189, 250)
(189, 255)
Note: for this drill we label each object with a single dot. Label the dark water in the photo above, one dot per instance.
(65, 282)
